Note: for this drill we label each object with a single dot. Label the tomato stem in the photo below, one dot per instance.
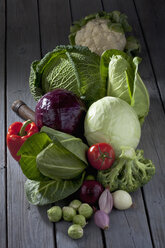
(102, 156)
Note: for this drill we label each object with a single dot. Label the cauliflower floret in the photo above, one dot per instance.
(98, 37)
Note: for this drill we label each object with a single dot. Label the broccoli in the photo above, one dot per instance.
(103, 31)
(129, 172)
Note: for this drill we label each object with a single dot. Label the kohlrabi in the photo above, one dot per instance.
(112, 120)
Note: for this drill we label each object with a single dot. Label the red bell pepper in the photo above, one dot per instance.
(18, 132)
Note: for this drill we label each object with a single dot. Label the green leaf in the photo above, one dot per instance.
(117, 27)
(123, 85)
(73, 68)
(29, 151)
(120, 71)
(140, 99)
(55, 161)
(46, 192)
(132, 46)
(105, 59)
(71, 143)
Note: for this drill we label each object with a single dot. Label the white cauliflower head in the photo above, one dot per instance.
(98, 37)
(104, 31)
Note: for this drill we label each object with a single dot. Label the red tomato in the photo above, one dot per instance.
(101, 156)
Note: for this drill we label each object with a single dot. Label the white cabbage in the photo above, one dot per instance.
(113, 121)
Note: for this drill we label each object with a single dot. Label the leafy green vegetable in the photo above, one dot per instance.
(129, 172)
(43, 156)
(49, 155)
(74, 68)
(55, 161)
(45, 192)
(29, 151)
(124, 80)
(73, 144)
(113, 121)
(132, 46)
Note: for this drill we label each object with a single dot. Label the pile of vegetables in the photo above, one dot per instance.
(87, 126)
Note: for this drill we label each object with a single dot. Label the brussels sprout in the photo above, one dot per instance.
(75, 204)
(68, 213)
(85, 210)
(79, 220)
(55, 214)
(75, 231)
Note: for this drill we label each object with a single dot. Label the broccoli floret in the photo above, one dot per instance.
(129, 172)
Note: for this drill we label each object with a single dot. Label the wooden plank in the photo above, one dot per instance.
(82, 8)
(152, 20)
(3, 204)
(92, 235)
(27, 225)
(153, 137)
(55, 20)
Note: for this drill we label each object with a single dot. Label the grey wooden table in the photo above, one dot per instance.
(28, 30)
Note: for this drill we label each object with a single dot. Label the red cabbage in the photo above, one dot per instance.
(61, 110)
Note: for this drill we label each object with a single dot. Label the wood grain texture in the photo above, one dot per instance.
(152, 19)
(91, 238)
(3, 203)
(27, 224)
(82, 8)
(129, 229)
(55, 20)
(153, 135)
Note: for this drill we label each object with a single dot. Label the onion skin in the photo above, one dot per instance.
(61, 110)
(106, 201)
(90, 191)
(122, 200)
(101, 219)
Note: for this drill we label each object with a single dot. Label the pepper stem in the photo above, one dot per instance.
(22, 130)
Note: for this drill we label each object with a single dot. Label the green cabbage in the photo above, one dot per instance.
(73, 68)
(129, 172)
(113, 121)
(124, 81)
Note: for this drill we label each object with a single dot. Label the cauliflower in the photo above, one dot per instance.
(98, 37)
(129, 172)
(103, 31)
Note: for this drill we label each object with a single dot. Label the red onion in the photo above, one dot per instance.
(101, 219)
(90, 191)
(106, 201)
